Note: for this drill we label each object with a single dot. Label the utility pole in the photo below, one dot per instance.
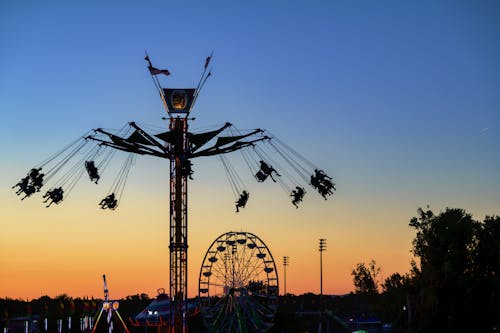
(322, 247)
(286, 261)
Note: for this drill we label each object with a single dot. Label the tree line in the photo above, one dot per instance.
(454, 281)
(64, 306)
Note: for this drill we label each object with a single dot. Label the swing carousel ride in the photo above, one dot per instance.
(267, 158)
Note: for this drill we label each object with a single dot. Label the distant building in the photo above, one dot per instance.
(155, 317)
(368, 324)
(156, 314)
(27, 324)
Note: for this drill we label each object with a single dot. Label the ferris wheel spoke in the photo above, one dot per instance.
(237, 270)
(246, 259)
(243, 272)
(252, 268)
(220, 272)
(217, 285)
(253, 272)
(241, 256)
(223, 258)
(249, 264)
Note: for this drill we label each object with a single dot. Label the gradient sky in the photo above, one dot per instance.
(398, 100)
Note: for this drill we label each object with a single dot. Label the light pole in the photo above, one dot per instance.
(322, 247)
(286, 262)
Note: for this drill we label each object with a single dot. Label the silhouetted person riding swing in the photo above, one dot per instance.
(30, 184)
(323, 178)
(34, 173)
(55, 196)
(322, 182)
(28, 190)
(321, 175)
(92, 171)
(260, 176)
(266, 170)
(242, 201)
(38, 182)
(298, 195)
(314, 182)
(22, 184)
(186, 167)
(109, 202)
(323, 189)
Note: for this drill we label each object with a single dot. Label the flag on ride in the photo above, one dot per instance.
(156, 71)
(207, 61)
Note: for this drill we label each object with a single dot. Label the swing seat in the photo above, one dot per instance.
(261, 177)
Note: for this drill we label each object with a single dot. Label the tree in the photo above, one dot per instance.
(395, 306)
(365, 277)
(394, 282)
(487, 270)
(456, 286)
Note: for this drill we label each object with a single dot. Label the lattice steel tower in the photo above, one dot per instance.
(178, 226)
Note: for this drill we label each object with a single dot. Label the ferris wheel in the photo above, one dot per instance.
(238, 284)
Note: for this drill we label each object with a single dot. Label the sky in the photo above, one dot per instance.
(399, 101)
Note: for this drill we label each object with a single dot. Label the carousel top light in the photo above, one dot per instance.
(179, 100)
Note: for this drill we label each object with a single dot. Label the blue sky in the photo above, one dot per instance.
(398, 101)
